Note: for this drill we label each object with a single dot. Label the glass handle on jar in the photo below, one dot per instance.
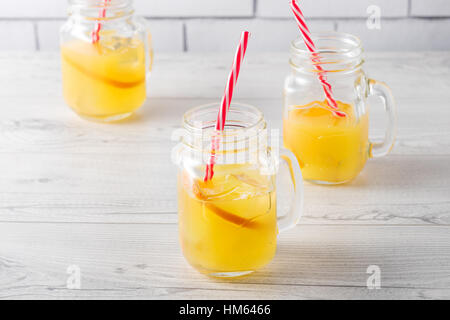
(380, 89)
(294, 211)
(148, 44)
(149, 52)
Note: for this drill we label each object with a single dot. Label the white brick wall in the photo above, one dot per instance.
(430, 8)
(332, 8)
(33, 9)
(214, 25)
(402, 35)
(194, 8)
(48, 35)
(266, 35)
(17, 35)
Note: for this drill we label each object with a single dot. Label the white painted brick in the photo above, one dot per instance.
(48, 34)
(149, 8)
(332, 8)
(194, 8)
(430, 8)
(217, 33)
(33, 8)
(17, 35)
(266, 35)
(401, 35)
(167, 36)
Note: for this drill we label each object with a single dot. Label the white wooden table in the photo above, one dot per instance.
(103, 198)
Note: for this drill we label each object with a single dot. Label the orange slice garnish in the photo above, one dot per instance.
(109, 81)
(226, 215)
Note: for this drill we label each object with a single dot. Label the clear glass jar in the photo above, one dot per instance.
(331, 149)
(228, 224)
(106, 55)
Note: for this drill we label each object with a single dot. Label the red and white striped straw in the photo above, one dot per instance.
(98, 26)
(226, 99)
(306, 35)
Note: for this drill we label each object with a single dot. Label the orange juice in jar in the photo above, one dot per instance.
(329, 148)
(228, 224)
(332, 149)
(105, 78)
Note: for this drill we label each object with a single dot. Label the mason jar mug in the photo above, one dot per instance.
(106, 55)
(228, 224)
(332, 149)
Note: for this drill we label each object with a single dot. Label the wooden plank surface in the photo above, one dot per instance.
(144, 260)
(98, 196)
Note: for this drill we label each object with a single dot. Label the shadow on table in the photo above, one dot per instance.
(301, 266)
(399, 171)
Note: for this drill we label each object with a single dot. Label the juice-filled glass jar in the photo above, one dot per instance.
(329, 148)
(228, 225)
(106, 56)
